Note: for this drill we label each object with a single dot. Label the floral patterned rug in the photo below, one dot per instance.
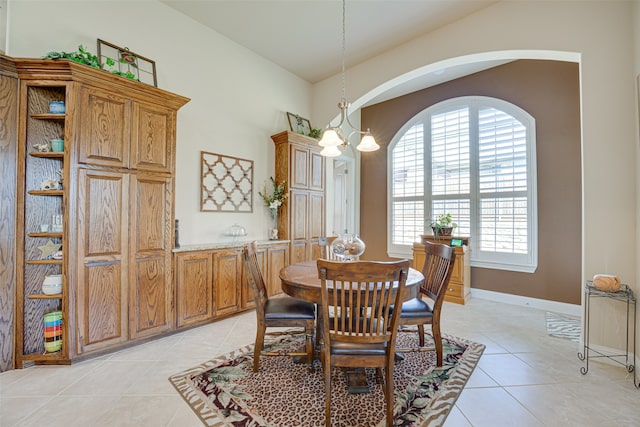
(226, 392)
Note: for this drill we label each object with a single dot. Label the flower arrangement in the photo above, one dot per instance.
(274, 200)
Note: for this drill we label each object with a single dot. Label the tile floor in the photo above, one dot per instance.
(524, 378)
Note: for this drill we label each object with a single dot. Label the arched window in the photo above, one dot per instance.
(473, 157)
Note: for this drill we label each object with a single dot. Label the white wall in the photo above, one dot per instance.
(3, 26)
(601, 35)
(238, 99)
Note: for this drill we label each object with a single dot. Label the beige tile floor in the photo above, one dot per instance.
(524, 378)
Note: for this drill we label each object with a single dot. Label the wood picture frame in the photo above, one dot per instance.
(226, 183)
(299, 124)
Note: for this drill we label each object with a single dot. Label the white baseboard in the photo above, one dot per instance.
(541, 304)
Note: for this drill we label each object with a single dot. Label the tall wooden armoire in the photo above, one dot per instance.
(301, 218)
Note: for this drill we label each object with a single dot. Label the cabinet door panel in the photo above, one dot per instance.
(150, 313)
(151, 212)
(316, 212)
(316, 178)
(299, 167)
(299, 209)
(227, 276)
(278, 258)
(152, 138)
(102, 305)
(102, 259)
(299, 251)
(150, 281)
(193, 288)
(457, 273)
(102, 219)
(106, 127)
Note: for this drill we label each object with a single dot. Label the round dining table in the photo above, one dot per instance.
(301, 280)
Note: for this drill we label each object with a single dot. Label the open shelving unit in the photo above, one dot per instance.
(36, 207)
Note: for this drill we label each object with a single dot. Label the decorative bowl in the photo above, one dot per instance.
(347, 247)
(52, 284)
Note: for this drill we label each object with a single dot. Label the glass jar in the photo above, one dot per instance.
(347, 247)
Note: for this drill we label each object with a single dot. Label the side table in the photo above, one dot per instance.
(625, 295)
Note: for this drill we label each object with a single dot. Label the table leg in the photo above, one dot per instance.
(356, 380)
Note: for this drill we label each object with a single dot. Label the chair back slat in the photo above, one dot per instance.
(356, 297)
(254, 275)
(437, 269)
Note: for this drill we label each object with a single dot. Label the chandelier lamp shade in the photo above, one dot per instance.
(337, 136)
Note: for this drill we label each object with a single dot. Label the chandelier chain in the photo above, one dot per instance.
(344, 50)
(335, 136)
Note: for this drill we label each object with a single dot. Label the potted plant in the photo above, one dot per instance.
(84, 56)
(442, 225)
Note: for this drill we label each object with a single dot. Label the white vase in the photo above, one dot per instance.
(52, 284)
(273, 233)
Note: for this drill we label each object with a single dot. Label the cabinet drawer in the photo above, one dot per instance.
(455, 290)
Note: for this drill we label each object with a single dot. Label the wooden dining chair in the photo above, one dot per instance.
(437, 269)
(276, 312)
(358, 329)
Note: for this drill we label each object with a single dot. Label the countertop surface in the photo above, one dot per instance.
(225, 245)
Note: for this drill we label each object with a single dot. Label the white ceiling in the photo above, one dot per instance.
(305, 36)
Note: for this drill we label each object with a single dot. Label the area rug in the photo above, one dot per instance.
(562, 326)
(226, 392)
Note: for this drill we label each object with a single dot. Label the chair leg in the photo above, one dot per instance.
(421, 335)
(390, 395)
(327, 394)
(257, 348)
(437, 338)
(309, 345)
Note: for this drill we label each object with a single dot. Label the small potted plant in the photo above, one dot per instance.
(442, 225)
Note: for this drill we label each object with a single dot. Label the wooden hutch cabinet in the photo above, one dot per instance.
(459, 288)
(301, 218)
(116, 204)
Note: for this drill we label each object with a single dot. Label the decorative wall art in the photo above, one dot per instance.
(227, 183)
(127, 63)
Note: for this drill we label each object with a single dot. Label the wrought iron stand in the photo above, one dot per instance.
(625, 294)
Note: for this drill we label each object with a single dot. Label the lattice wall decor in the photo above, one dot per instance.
(227, 183)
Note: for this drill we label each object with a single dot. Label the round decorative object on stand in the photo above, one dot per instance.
(346, 247)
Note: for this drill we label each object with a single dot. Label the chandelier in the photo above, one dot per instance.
(335, 137)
